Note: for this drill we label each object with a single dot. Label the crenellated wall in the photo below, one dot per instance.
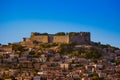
(80, 38)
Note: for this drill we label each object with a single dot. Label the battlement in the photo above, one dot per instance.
(38, 34)
(61, 33)
(60, 37)
(34, 33)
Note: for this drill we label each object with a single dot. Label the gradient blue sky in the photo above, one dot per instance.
(100, 17)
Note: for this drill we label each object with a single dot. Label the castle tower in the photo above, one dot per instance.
(85, 36)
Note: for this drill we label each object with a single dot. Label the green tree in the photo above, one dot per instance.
(32, 53)
(45, 33)
(65, 48)
(91, 54)
(60, 33)
(73, 33)
(18, 47)
(95, 77)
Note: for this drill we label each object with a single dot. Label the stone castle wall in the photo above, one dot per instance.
(61, 39)
(27, 42)
(41, 38)
(81, 38)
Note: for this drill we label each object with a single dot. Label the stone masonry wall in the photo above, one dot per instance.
(40, 38)
(81, 38)
(61, 39)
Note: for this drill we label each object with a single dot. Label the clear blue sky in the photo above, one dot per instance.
(100, 17)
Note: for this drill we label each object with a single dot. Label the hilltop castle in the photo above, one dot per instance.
(61, 37)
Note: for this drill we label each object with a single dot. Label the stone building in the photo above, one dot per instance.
(38, 38)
